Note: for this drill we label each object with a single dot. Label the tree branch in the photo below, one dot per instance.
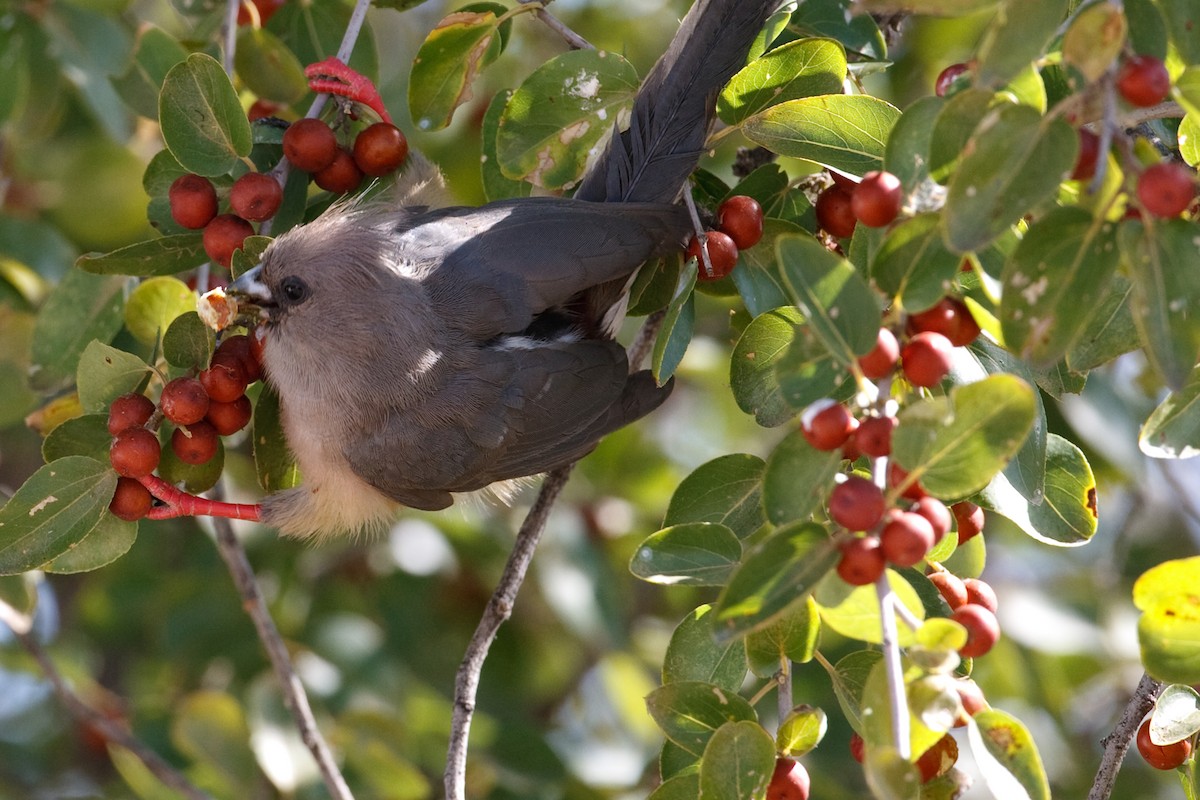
(573, 39)
(294, 696)
(21, 626)
(1116, 744)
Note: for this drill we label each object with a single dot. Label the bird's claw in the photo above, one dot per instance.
(331, 76)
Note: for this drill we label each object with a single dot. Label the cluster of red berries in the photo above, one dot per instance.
(1162, 756)
(203, 408)
(312, 146)
(739, 227)
(972, 604)
(194, 204)
(874, 201)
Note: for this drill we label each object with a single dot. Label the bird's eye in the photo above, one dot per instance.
(294, 289)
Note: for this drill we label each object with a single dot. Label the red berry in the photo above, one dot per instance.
(224, 235)
(845, 181)
(898, 477)
(341, 176)
(938, 759)
(983, 629)
(1089, 156)
(722, 252)
(380, 149)
(1162, 756)
(184, 401)
(856, 504)
(135, 452)
(741, 218)
(229, 418)
(926, 358)
(938, 515)
(193, 201)
(857, 747)
(1143, 81)
(906, 538)
(131, 501)
(882, 359)
(835, 213)
(981, 593)
(950, 587)
(255, 196)
(1166, 189)
(129, 411)
(969, 518)
(877, 199)
(239, 346)
(789, 781)
(874, 436)
(862, 561)
(949, 317)
(971, 697)
(310, 145)
(827, 424)
(195, 443)
(262, 109)
(945, 78)
(225, 379)
(265, 8)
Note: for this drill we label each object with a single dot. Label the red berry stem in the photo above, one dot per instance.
(181, 504)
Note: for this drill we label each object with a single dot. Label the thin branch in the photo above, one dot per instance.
(294, 696)
(573, 39)
(785, 698)
(1116, 744)
(231, 27)
(21, 626)
(893, 669)
(499, 609)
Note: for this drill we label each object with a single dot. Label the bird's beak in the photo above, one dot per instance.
(251, 292)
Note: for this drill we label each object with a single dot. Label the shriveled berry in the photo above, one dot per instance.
(835, 214)
(135, 452)
(826, 424)
(1162, 756)
(862, 561)
(225, 379)
(983, 629)
(722, 253)
(223, 236)
(981, 593)
(741, 218)
(129, 411)
(193, 201)
(906, 538)
(873, 437)
(1143, 81)
(949, 317)
(184, 401)
(969, 518)
(196, 443)
(877, 199)
(926, 358)
(131, 501)
(789, 780)
(380, 149)
(1166, 189)
(341, 176)
(882, 358)
(856, 504)
(950, 587)
(310, 145)
(229, 418)
(255, 196)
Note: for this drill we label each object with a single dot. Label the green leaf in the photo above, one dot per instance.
(837, 20)
(210, 728)
(446, 65)
(913, 263)
(953, 126)
(1181, 22)
(797, 479)
(694, 655)
(677, 327)
(909, 143)
(1166, 294)
(726, 490)
(877, 715)
(678, 787)
(944, 8)
(195, 478)
(849, 677)
(154, 53)
(15, 66)
(82, 308)
(1094, 39)
(853, 611)
(1018, 36)
(841, 308)
(752, 377)
(793, 636)
(695, 554)
(1187, 87)
(559, 113)
(1007, 756)
(1189, 138)
(690, 712)
(1110, 330)
(801, 68)
(105, 373)
(203, 124)
(273, 460)
(1169, 628)
(1173, 430)
(1147, 28)
(845, 132)
(757, 277)
(82, 436)
(154, 304)
(108, 541)
(53, 510)
(267, 67)
(954, 459)
(166, 255)
(1176, 715)
(738, 762)
(1015, 160)
(188, 342)
(801, 731)
(496, 185)
(654, 286)
(779, 571)
(1054, 282)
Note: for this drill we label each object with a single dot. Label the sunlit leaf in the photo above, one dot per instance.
(694, 553)
(846, 132)
(738, 762)
(726, 490)
(690, 712)
(801, 68)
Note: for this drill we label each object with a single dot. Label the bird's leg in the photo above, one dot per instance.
(331, 76)
(179, 503)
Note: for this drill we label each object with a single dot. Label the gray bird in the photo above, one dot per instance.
(419, 352)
